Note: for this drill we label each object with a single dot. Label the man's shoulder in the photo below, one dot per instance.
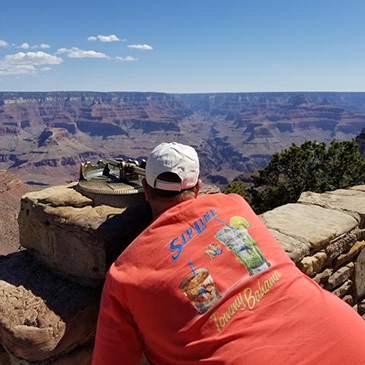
(220, 197)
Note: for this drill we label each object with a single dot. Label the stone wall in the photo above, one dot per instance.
(50, 292)
(324, 234)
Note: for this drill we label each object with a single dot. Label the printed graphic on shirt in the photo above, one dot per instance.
(247, 298)
(213, 250)
(197, 229)
(236, 238)
(198, 286)
(200, 289)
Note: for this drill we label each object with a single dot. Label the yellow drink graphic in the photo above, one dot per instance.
(200, 289)
(243, 246)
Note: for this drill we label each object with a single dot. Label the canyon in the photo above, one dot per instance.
(44, 136)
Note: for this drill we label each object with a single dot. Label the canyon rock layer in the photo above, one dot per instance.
(45, 136)
(11, 191)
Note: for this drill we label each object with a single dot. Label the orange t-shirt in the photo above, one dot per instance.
(206, 282)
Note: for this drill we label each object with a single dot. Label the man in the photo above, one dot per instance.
(243, 303)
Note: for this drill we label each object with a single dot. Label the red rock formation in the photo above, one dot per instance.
(44, 136)
(11, 191)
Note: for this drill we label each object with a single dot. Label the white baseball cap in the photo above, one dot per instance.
(173, 157)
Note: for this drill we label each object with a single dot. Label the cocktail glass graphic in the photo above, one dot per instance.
(200, 289)
(244, 247)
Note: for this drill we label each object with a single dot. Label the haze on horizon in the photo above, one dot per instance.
(182, 46)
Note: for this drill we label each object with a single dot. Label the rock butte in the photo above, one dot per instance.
(45, 136)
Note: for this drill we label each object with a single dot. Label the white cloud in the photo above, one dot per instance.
(46, 69)
(143, 47)
(43, 46)
(75, 52)
(126, 59)
(3, 43)
(33, 58)
(104, 38)
(24, 46)
(6, 69)
(86, 54)
(63, 50)
(26, 63)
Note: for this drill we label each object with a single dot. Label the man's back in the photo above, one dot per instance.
(207, 283)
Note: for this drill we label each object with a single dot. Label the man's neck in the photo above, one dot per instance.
(159, 207)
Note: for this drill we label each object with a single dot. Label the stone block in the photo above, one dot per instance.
(323, 276)
(74, 237)
(360, 275)
(42, 315)
(4, 357)
(361, 308)
(348, 299)
(79, 356)
(58, 196)
(358, 188)
(347, 201)
(343, 243)
(310, 223)
(343, 289)
(313, 264)
(295, 248)
(346, 257)
(340, 276)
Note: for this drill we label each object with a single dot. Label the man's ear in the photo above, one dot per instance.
(197, 189)
(145, 189)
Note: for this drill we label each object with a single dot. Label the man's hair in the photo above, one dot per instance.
(166, 194)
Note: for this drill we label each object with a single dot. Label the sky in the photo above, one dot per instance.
(190, 46)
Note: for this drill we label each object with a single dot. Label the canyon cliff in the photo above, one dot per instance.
(45, 136)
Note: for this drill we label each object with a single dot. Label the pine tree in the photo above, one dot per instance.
(310, 167)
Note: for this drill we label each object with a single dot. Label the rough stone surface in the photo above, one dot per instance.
(348, 299)
(323, 276)
(360, 275)
(295, 248)
(312, 264)
(4, 357)
(72, 236)
(358, 188)
(340, 276)
(313, 224)
(347, 201)
(79, 356)
(354, 250)
(343, 289)
(58, 196)
(41, 314)
(344, 243)
(11, 191)
(208, 189)
(361, 308)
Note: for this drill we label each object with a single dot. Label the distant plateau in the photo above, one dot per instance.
(44, 136)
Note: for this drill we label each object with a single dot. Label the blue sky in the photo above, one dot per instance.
(186, 46)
